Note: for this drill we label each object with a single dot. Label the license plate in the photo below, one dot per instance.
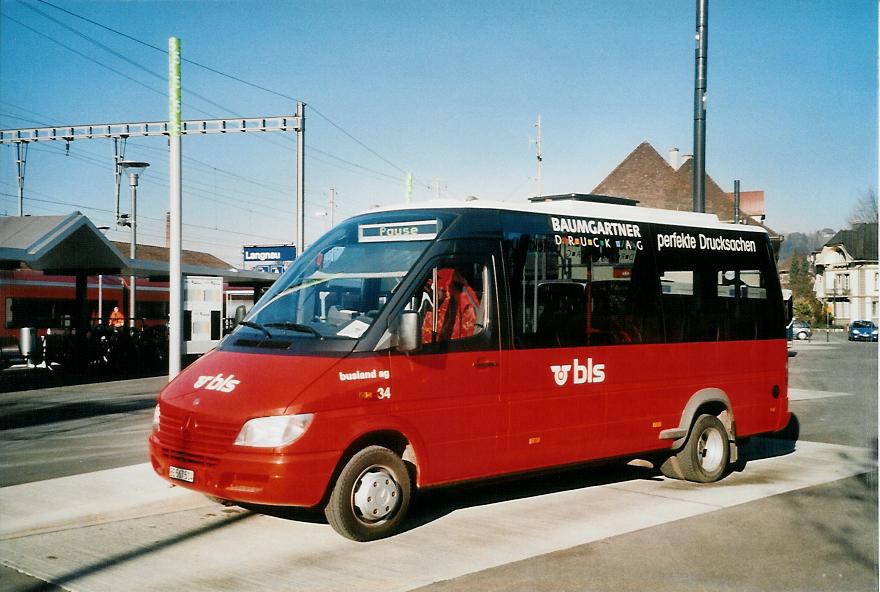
(181, 474)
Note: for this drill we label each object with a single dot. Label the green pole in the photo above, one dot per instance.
(175, 200)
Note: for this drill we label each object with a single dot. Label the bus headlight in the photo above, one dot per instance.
(157, 417)
(274, 431)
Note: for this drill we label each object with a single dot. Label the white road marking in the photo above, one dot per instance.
(807, 395)
(813, 346)
(85, 548)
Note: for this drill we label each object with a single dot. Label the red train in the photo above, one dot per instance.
(47, 302)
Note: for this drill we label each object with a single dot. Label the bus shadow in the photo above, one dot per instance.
(433, 504)
(769, 446)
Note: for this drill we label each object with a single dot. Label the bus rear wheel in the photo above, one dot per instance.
(705, 455)
(371, 495)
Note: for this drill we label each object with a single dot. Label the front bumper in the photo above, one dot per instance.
(246, 476)
(862, 337)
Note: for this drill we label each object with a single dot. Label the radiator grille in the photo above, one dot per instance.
(190, 437)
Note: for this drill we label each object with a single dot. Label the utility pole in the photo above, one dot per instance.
(332, 206)
(118, 156)
(21, 150)
(701, 56)
(300, 178)
(736, 201)
(133, 169)
(539, 154)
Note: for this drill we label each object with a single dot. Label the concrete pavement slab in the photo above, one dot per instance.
(212, 548)
(89, 498)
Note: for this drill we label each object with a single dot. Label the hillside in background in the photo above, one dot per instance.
(804, 243)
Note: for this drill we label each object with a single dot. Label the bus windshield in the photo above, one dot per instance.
(338, 287)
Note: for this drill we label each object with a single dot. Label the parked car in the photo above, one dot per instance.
(862, 331)
(800, 330)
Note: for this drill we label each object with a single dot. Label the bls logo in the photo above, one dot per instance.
(220, 383)
(588, 373)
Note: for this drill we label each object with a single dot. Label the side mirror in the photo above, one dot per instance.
(240, 312)
(407, 332)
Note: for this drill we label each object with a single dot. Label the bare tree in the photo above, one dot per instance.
(865, 209)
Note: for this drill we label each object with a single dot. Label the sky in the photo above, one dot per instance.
(446, 90)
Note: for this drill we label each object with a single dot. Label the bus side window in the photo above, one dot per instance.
(745, 294)
(453, 303)
(708, 304)
(584, 292)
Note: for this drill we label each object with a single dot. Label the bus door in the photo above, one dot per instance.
(583, 309)
(449, 389)
(553, 384)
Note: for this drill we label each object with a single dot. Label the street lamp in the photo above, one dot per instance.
(134, 169)
(103, 229)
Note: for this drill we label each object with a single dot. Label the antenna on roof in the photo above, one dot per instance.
(588, 197)
(539, 154)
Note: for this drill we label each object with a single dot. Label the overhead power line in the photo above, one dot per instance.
(161, 93)
(240, 80)
(159, 76)
(165, 51)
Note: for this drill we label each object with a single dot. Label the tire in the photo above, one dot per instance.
(802, 335)
(361, 517)
(706, 453)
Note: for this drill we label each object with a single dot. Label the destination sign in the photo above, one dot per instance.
(398, 231)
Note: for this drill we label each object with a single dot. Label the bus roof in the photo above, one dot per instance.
(582, 210)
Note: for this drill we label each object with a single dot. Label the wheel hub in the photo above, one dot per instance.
(710, 450)
(376, 495)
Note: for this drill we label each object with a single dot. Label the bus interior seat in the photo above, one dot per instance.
(563, 317)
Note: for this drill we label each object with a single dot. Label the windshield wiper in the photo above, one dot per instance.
(297, 327)
(257, 326)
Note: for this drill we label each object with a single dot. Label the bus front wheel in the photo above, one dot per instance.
(705, 455)
(371, 495)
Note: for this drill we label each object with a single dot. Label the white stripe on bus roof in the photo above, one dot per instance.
(581, 209)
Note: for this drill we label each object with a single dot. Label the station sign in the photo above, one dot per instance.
(266, 254)
(273, 268)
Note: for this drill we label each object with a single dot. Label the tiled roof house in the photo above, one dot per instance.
(646, 176)
(154, 253)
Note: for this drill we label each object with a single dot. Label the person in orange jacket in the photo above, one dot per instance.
(117, 320)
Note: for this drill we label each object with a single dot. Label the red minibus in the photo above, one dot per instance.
(434, 344)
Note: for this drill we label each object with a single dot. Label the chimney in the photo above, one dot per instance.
(167, 230)
(674, 159)
(686, 158)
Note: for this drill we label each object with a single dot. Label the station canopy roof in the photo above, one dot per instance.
(71, 245)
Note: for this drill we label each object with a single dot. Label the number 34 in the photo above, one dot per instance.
(384, 392)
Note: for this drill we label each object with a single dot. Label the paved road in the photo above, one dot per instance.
(800, 521)
(61, 431)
